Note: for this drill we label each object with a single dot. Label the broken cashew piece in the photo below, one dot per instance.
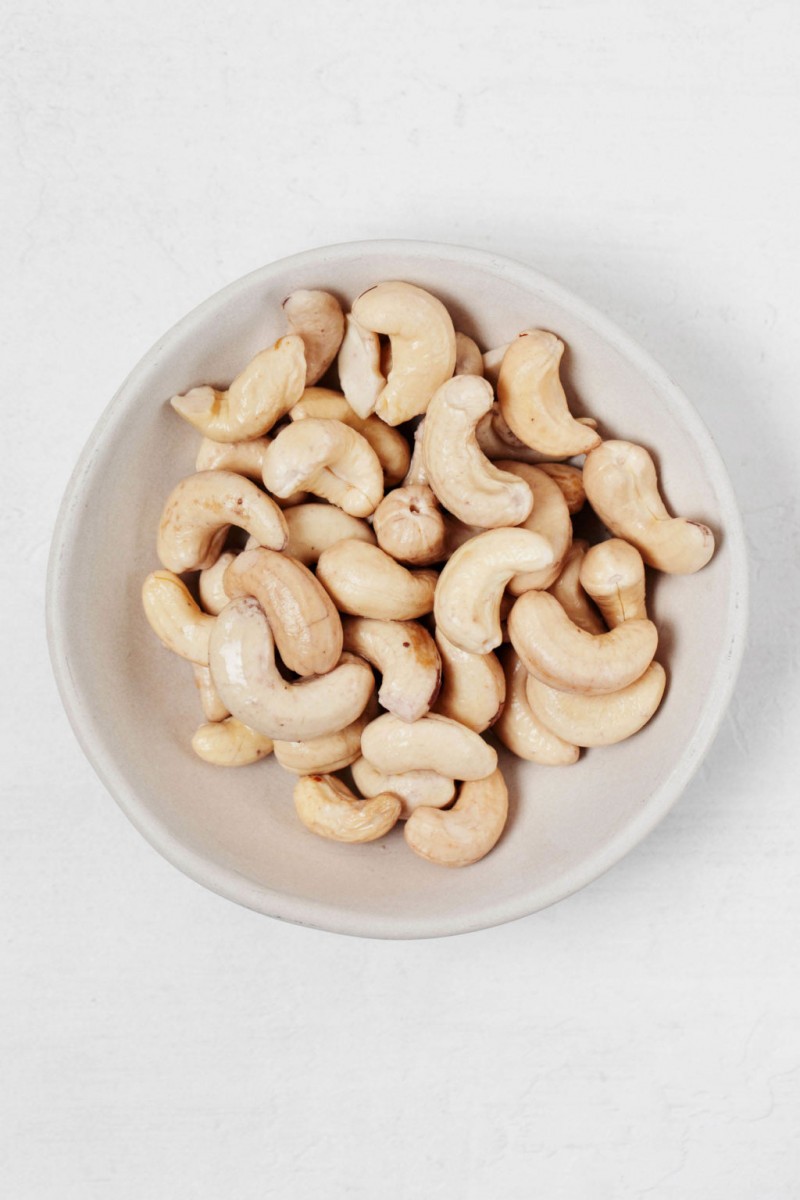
(598, 720)
(359, 366)
(409, 525)
(213, 708)
(569, 593)
(570, 480)
(328, 808)
(175, 617)
(406, 658)
(532, 398)
(243, 458)
(413, 788)
(211, 584)
(199, 512)
(389, 444)
(469, 360)
(229, 743)
(433, 743)
(519, 729)
(473, 686)
(622, 487)
(549, 517)
(612, 573)
(330, 460)
(466, 832)
(314, 528)
(324, 755)
(317, 318)
(364, 581)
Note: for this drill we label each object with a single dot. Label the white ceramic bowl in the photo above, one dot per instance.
(133, 706)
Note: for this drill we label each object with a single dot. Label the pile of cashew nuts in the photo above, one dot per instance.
(408, 521)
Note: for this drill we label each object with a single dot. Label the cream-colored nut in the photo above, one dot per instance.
(433, 743)
(314, 528)
(413, 788)
(532, 399)
(598, 720)
(211, 584)
(570, 480)
(229, 743)
(305, 625)
(519, 729)
(359, 366)
(571, 596)
(263, 393)
(466, 832)
(406, 658)
(612, 573)
(492, 361)
(409, 525)
(461, 475)
(328, 808)
(622, 487)
(417, 473)
(469, 360)
(364, 581)
(423, 345)
(558, 652)
(497, 441)
(471, 586)
(330, 460)
(549, 517)
(473, 686)
(324, 755)
(212, 706)
(201, 509)
(317, 318)
(175, 617)
(242, 661)
(389, 444)
(243, 458)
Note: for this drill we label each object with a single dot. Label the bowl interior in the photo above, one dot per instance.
(133, 704)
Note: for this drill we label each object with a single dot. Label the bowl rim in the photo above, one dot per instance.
(331, 917)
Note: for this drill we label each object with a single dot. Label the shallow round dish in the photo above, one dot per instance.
(133, 705)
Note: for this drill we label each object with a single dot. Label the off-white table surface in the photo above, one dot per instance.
(642, 1038)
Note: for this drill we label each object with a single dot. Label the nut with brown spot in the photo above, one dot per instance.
(200, 510)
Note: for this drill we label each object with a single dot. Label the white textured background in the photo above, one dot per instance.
(642, 1038)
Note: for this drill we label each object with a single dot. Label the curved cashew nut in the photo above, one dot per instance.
(200, 510)
(406, 658)
(242, 661)
(413, 788)
(467, 831)
(471, 586)
(305, 625)
(612, 573)
(213, 708)
(532, 399)
(622, 487)
(558, 652)
(598, 720)
(461, 475)
(243, 458)
(389, 444)
(229, 743)
(423, 345)
(519, 729)
(570, 480)
(329, 459)
(175, 617)
(211, 584)
(314, 528)
(550, 518)
(366, 582)
(328, 808)
(432, 743)
(473, 686)
(359, 365)
(417, 473)
(317, 318)
(571, 596)
(469, 360)
(324, 755)
(258, 397)
(409, 525)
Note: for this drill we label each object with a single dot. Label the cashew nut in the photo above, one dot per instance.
(461, 475)
(328, 808)
(229, 743)
(324, 755)
(211, 584)
(519, 729)
(598, 720)
(212, 706)
(243, 458)
(317, 318)
(263, 393)
(366, 582)
(406, 658)
(242, 661)
(473, 686)
(466, 832)
(571, 596)
(456, 533)
(305, 625)
(570, 480)
(409, 525)
(497, 441)
(413, 788)
(417, 472)
(469, 360)
(433, 743)
(199, 512)
(359, 365)
(314, 528)
(492, 361)
(389, 444)
(330, 460)
(612, 573)
(532, 399)
(560, 653)
(175, 617)
(550, 518)
(622, 487)
(471, 586)
(423, 345)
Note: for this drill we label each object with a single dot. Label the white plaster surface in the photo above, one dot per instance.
(642, 1039)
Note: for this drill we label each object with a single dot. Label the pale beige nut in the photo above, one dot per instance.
(175, 617)
(471, 586)
(498, 442)
(409, 525)
(328, 808)
(324, 755)
(473, 686)
(359, 365)
(305, 624)
(569, 593)
(549, 517)
(612, 573)
(519, 729)
(229, 743)
(243, 458)
(413, 788)
(314, 528)
(570, 480)
(598, 720)
(199, 512)
(365, 581)
(469, 360)
(406, 658)
(558, 652)
(329, 459)
(212, 706)
(492, 361)
(423, 345)
(622, 487)
(243, 667)
(465, 833)
(466, 483)
(389, 444)
(532, 398)
(317, 318)
(433, 743)
(263, 393)
(211, 584)
(417, 473)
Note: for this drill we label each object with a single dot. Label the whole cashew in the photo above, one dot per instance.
(417, 473)
(598, 720)
(519, 729)
(432, 743)
(360, 367)
(229, 743)
(532, 399)
(243, 458)
(242, 661)
(366, 582)
(314, 528)
(175, 617)
(612, 573)
(571, 596)
(211, 584)
(409, 525)
(213, 708)
(406, 658)
(258, 397)
(317, 318)
(622, 487)
(423, 345)
(473, 686)
(324, 755)
(570, 480)
(413, 788)
(199, 512)
(471, 586)
(549, 518)
(329, 459)
(389, 444)
(305, 625)
(328, 808)
(560, 653)
(461, 475)
(466, 832)
(469, 360)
